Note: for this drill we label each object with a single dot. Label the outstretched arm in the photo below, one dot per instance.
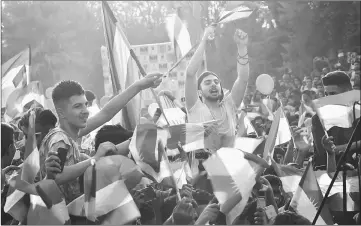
(118, 102)
(191, 89)
(239, 87)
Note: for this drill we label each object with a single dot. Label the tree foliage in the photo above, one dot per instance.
(66, 36)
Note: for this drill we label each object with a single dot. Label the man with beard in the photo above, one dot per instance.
(205, 100)
(71, 106)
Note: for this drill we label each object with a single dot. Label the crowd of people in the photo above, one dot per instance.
(205, 101)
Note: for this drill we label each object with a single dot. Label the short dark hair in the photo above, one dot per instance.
(274, 180)
(66, 89)
(289, 217)
(90, 96)
(204, 75)
(115, 134)
(7, 138)
(43, 117)
(337, 78)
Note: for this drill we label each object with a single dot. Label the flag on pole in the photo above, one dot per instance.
(121, 65)
(308, 197)
(116, 176)
(233, 174)
(190, 135)
(16, 71)
(48, 206)
(272, 136)
(144, 148)
(284, 132)
(178, 34)
(291, 177)
(240, 12)
(23, 98)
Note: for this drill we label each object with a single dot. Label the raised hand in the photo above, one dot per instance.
(208, 32)
(105, 149)
(240, 38)
(328, 145)
(209, 214)
(184, 212)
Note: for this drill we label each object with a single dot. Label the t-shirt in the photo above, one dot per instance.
(53, 140)
(226, 127)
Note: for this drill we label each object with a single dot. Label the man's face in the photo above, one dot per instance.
(211, 88)
(75, 111)
(308, 81)
(286, 78)
(324, 71)
(316, 79)
(355, 80)
(306, 99)
(332, 90)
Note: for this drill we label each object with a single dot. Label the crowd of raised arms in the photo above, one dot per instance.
(200, 199)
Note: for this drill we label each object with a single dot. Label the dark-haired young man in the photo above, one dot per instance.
(71, 106)
(335, 82)
(205, 100)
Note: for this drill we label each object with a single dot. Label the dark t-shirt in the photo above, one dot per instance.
(340, 135)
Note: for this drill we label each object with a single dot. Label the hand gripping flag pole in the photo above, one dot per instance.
(340, 165)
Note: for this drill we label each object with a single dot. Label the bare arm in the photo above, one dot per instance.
(289, 156)
(239, 87)
(110, 109)
(191, 89)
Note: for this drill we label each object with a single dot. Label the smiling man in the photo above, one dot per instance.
(71, 107)
(205, 99)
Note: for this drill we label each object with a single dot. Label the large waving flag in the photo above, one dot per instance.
(247, 144)
(122, 69)
(337, 110)
(16, 72)
(308, 197)
(116, 175)
(233, 174)
(178, 34)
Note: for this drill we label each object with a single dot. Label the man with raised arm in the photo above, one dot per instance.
(71, 107)
(205, 100)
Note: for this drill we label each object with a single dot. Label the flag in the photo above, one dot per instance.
(172, 113)
(291, 177)
(23, 182)
(233, 174)
(240, 12)
(271, 139)
(337, 110)
(122, 66)
(23, 98)
(308, 197)
(115, 176)
(247, 144)
(48, 207)
(284, 133)
(144, 148)
(190, 135)
(16, 71)
(178, 34)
